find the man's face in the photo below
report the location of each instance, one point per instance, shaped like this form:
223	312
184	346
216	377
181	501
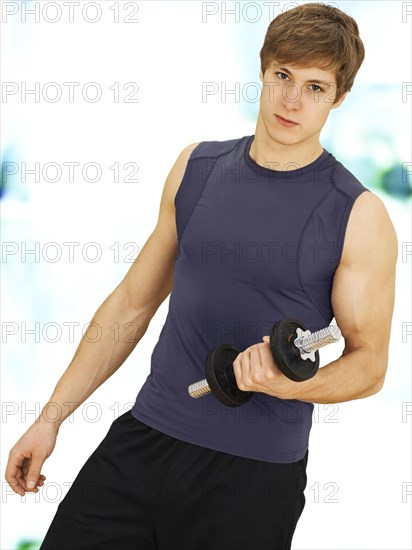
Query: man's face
304	96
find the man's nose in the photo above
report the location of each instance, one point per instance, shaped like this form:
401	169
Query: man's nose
292	96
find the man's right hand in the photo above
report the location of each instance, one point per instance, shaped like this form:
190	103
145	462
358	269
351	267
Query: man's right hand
27	456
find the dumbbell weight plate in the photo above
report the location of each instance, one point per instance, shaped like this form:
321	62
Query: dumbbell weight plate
287	355
221	377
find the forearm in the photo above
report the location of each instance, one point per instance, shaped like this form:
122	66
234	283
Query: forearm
113	333
351	376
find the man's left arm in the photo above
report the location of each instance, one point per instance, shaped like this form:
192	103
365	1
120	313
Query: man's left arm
362	297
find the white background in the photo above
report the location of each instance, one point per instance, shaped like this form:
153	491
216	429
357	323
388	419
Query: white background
362	448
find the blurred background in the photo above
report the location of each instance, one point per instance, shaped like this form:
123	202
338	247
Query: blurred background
98	100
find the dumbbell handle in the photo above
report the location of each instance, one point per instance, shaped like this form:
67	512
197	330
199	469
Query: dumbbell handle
307	342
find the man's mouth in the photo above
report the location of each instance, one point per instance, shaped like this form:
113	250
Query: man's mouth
285	121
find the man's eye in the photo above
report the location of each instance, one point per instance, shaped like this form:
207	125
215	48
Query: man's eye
281	75
319	89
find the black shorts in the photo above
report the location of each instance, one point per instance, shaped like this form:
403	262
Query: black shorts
144	490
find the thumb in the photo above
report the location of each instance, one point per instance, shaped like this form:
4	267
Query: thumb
266	339
34	472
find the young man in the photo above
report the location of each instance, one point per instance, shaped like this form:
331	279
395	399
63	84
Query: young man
250	231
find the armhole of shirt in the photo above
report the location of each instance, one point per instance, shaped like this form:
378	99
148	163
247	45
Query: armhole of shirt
192	156
344	223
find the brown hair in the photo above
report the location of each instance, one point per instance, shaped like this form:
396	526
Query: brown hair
319	35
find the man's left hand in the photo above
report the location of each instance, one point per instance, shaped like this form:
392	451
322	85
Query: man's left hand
256	370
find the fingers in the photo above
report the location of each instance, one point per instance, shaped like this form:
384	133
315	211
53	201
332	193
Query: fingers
13	473
26	459
25	470
241	367
21	470
254	368
18	482
33	477
15	485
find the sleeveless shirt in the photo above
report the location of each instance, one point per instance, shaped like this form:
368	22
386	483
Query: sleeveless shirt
255	245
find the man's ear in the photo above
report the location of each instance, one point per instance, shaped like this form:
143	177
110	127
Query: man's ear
340	101
261	75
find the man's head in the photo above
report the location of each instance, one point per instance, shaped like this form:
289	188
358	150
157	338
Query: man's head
316	35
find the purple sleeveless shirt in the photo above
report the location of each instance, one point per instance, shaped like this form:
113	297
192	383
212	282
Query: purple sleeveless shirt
256	245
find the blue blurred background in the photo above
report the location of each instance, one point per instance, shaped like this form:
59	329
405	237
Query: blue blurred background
150	60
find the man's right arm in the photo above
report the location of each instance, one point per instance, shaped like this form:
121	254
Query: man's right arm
131	305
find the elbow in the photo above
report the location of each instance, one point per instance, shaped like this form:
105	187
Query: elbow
372	389
139	311
381	367
140	315
378	386
378	366
381	362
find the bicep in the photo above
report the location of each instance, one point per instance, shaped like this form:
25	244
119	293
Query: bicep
364	283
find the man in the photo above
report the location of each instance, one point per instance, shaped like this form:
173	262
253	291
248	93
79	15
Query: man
250	231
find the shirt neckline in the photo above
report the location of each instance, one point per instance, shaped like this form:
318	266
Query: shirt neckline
283	174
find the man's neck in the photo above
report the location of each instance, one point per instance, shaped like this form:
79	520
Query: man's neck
276	156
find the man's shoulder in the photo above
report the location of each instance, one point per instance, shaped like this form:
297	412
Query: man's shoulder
367	218
216	148
370	229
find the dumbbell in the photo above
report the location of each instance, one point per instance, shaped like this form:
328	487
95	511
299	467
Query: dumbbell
294	349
